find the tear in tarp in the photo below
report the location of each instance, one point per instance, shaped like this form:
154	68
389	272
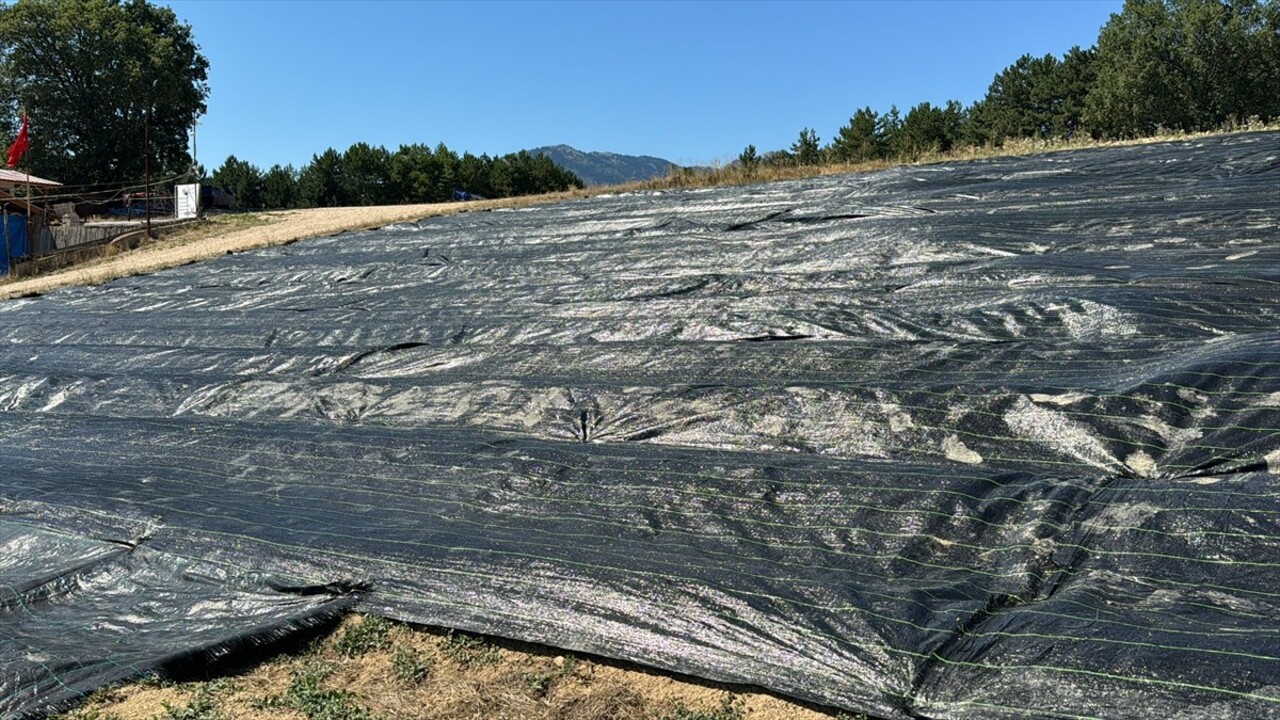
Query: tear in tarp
992	439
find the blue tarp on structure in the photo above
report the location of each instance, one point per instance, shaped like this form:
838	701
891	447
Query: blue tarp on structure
15	238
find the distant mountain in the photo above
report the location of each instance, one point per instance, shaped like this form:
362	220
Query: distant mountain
605	168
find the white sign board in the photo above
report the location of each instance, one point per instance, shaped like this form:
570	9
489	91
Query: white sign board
188	200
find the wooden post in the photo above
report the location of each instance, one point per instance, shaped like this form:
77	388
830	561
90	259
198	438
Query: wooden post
30	245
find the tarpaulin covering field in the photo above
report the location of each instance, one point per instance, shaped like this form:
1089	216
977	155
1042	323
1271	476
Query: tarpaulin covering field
993	439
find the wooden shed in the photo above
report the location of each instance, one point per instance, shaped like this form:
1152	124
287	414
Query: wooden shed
25	227
11	180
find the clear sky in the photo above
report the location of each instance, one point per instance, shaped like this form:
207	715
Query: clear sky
690	82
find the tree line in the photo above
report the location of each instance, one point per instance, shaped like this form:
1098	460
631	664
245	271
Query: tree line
1158	65
369	175
97	76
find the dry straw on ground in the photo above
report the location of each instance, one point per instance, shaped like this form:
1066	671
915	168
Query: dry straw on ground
370	668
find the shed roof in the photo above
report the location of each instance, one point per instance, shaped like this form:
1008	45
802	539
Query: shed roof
17	178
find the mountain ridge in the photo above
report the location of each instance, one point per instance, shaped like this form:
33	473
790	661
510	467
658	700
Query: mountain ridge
605	168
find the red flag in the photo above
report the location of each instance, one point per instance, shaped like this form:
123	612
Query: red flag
20	145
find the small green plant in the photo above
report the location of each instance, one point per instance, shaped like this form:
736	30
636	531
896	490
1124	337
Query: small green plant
730	709
539	683
371	633
469	650
412	666
307	695
201	707
153	680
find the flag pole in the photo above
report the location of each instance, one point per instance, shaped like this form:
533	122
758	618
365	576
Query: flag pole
16	151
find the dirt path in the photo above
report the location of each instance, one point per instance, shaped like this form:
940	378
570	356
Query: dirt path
246	232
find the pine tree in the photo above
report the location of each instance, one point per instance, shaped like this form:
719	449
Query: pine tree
473	175
860	140
749	160
368	174
807	149
322	183
889	130
280	187
1075	76
929	129
241	179
1024	99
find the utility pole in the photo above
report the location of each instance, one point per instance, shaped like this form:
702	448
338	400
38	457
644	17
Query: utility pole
195	168
146	165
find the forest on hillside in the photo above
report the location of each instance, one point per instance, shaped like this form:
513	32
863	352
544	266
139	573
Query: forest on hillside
1158	66
369	175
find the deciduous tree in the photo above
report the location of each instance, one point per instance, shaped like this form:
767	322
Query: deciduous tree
1185	64
89	74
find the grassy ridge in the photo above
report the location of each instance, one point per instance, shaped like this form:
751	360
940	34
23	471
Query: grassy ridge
735	174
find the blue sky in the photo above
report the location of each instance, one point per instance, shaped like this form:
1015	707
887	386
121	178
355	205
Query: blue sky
690	82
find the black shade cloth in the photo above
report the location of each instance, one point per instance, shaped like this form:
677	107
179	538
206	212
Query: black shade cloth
988	439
